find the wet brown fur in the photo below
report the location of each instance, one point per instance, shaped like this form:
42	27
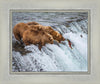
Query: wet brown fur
55	34
31	36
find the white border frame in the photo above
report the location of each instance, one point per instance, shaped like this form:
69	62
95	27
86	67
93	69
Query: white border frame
93	78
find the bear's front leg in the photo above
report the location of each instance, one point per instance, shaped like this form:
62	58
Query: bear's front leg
26	42
40	45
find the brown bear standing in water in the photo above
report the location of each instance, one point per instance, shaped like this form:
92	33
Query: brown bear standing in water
55	34
40	37
19	29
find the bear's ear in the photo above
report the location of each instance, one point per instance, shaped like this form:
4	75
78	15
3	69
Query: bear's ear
57	33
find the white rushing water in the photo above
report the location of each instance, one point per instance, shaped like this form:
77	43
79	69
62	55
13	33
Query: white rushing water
57	56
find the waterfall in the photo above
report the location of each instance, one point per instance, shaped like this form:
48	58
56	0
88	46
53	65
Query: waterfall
57	56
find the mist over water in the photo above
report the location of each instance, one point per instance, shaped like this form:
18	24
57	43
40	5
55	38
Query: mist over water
57	56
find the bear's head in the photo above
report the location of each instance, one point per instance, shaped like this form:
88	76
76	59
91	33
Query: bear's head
60	38
57	36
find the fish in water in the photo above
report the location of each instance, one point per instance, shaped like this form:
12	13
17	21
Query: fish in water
69	43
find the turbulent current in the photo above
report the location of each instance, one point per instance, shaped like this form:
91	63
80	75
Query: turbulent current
57	56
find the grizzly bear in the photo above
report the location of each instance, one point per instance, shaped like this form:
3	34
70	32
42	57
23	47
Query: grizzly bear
55	34
40	37
19	29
